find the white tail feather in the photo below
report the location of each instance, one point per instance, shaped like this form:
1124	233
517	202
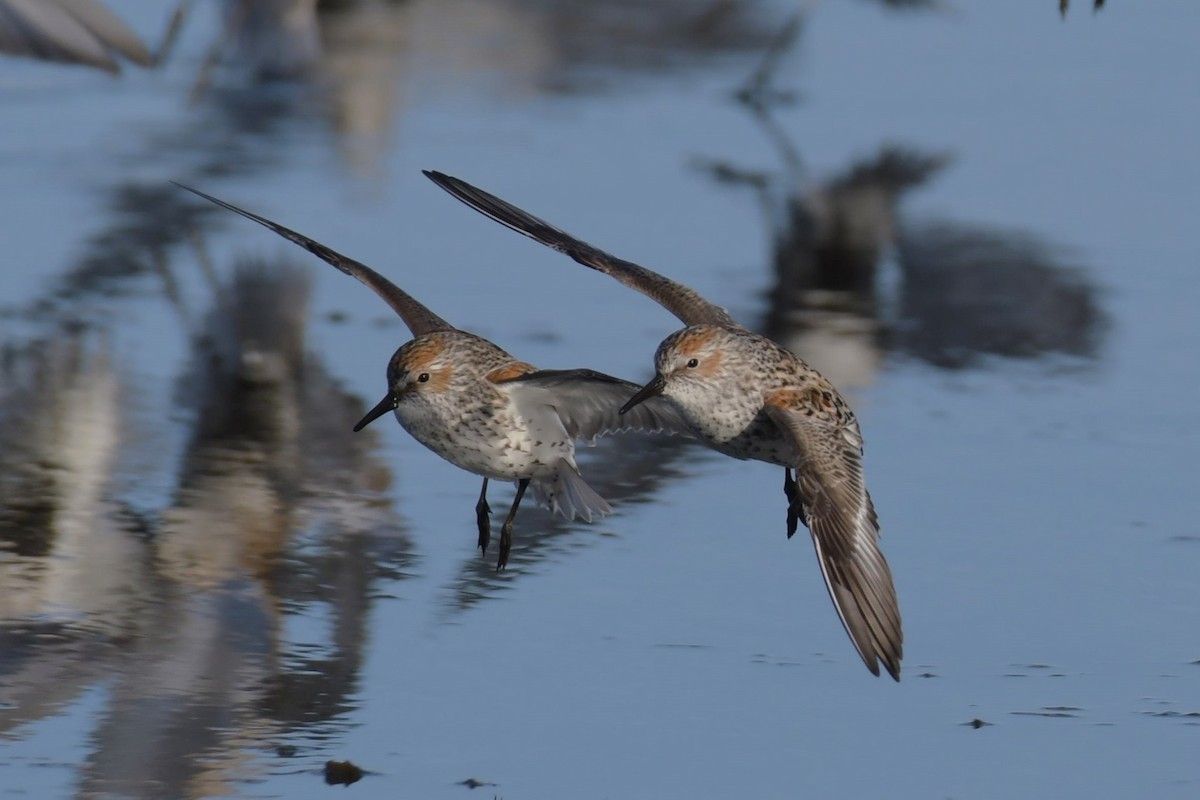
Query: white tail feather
569	495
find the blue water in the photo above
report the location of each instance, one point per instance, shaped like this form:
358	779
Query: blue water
211	587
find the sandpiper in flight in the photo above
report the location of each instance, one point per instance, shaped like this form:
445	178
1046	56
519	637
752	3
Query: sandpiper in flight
484	411
750	398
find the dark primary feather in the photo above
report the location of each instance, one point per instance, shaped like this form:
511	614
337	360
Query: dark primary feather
839	512
419	319
684	303
589	402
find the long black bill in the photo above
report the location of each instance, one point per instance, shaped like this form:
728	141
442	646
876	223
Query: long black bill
387	404
651	389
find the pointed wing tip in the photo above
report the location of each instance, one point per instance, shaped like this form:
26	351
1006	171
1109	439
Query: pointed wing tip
440	178
889	661
876	647
208	197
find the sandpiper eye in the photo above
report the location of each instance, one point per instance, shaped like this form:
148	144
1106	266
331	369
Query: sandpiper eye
693	363
423	377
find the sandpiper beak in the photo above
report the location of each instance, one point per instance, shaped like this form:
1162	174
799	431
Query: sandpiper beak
388	403
651	389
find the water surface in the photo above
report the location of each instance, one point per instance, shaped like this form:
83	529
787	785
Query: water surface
976	219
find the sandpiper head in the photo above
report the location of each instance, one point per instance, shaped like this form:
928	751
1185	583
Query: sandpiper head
688	362
419	370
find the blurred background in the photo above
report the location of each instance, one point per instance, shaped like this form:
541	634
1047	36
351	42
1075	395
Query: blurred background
975	218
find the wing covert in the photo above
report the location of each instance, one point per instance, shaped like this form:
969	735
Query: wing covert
589	402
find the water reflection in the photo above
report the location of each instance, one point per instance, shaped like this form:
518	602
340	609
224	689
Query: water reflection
183	620
974	291
855	280
268	39
65	552
370	52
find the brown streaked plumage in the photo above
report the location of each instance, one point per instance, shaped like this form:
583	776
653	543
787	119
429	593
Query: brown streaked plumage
750	398
483	411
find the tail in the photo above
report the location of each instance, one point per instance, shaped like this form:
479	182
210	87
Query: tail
568	494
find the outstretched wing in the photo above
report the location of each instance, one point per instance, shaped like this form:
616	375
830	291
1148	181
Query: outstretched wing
419	319
589	403
681	301
845	531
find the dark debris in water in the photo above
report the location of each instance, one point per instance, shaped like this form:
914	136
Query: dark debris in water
473	783
1050	711
977	723
1034	666
683	646
1065	5
342	772
776	661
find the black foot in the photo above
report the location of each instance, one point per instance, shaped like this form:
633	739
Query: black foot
505	547
795	512
506	528
483	519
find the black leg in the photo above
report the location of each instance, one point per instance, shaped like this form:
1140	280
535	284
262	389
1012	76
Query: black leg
506	528
792	490
482	510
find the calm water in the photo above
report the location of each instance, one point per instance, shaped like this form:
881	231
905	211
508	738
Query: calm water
978	220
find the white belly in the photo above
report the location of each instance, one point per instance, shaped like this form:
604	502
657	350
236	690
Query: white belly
503	446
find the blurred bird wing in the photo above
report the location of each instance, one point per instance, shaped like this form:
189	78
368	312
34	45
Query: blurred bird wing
683	302
419	319
589	402
845	531
79	31
109	29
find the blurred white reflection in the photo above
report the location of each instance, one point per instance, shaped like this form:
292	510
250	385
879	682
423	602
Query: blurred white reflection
65	557
183	613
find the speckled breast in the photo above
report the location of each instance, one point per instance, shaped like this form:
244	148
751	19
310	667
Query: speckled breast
761	440
498	445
